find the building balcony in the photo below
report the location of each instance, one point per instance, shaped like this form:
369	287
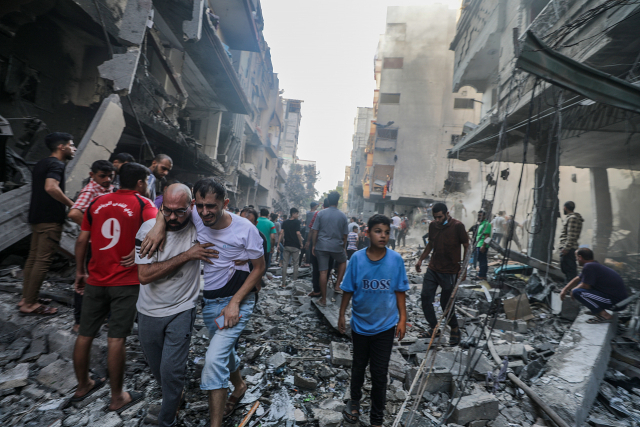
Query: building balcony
477	44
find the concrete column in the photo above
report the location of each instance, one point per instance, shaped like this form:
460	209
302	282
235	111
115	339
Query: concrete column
546	202
212	134
602	213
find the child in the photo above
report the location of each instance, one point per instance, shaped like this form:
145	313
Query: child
377	280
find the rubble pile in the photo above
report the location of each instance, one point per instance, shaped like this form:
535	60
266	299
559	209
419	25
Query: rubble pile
297	365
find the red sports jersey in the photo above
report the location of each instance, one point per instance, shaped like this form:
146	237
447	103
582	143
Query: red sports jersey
113	220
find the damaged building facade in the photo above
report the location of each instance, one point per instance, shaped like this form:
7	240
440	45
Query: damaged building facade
192	79
546	70
415	118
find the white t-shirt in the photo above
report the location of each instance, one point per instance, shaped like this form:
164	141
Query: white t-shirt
498	224
396	222
240	240
178	291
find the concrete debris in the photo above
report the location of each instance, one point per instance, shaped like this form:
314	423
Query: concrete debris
298	365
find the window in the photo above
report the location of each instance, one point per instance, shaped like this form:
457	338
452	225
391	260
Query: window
463	103
389	98
396	31
387	133
455	139
391	63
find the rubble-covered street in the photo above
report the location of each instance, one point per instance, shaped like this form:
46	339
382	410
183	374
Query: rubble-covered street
297	365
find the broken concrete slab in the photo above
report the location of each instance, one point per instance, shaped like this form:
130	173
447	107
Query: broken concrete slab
519	326
482	406
278	359
306	383
340	354
15	377
575	371
570	309
59	376
511	350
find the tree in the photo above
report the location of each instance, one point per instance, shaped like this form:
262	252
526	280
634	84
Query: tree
300	189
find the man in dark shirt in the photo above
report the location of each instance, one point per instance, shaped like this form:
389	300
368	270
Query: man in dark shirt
47	213
446	235
292	238
597	288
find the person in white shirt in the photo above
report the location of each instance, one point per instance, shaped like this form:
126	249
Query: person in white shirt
498	225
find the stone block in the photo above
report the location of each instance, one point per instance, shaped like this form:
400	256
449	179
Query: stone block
278	359
574	373
15	377
306	383
398	366
47	359
111	419
511	350
570	309
29	357
52	405
340	354
62	342
59	376
33	392
15	350
477	423
332	405
39	345
519	326
483	406
327	418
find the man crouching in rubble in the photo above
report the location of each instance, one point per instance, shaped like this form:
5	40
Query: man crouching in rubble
597	288
167	300
377	281
229	290
446	236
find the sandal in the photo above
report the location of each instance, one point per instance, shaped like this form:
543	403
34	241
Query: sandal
347	412
314	294
41	311
338	291
136	397
231	405
45	301
429	334
97	385
598	319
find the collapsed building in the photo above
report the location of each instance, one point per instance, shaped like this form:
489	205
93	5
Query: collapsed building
191	79
559	84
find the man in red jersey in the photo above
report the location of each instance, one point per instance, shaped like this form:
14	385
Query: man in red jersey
110	225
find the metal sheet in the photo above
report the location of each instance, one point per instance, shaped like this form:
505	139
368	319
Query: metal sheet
540	60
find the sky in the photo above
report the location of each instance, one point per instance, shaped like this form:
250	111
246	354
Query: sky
323	54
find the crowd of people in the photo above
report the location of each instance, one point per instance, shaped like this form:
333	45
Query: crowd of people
140	252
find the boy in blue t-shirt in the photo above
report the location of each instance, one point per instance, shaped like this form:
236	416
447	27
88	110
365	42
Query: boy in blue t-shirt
376	280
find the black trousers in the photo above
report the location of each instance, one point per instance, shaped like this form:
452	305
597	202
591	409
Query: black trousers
430	285
375	351
568	265
315	274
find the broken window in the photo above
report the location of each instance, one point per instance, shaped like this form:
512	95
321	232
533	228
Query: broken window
389	98
463	103
457	182
455	139
391	63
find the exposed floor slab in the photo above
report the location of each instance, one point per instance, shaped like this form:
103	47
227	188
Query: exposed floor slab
576	370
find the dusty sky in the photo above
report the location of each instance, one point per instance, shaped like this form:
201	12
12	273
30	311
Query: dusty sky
323	53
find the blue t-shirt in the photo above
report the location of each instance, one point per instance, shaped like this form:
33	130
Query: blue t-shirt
605	280
374	306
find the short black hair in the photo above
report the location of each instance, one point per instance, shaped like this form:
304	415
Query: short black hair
264	212
131	173
586	254
439	207
325	203
571	206
124	158
293	211
160	157
102	166
378	219
333	198
210	185
250	211
273	217
56	138
354	218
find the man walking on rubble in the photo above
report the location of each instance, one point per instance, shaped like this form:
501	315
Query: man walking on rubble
330	232
46	216
166	305
446	235
292	241
569	237
498	226
598	287
101	176
110	225
229	290
160	168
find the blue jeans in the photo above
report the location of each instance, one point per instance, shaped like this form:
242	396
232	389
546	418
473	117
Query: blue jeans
482	260
221	358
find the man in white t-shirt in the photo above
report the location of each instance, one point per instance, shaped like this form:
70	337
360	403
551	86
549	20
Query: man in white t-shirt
229	290
167	300
498	225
